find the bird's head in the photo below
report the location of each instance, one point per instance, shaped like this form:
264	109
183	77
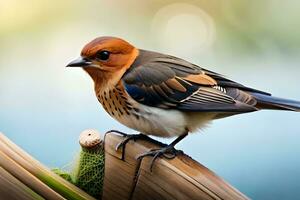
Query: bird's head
106	58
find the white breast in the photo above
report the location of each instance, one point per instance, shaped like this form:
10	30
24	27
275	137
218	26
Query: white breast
166	122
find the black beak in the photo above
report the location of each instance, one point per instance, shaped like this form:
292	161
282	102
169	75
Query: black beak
79	62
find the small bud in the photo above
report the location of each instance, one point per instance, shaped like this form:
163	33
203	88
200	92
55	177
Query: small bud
89	138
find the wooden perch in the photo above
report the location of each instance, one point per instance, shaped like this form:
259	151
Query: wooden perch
22	177
178	178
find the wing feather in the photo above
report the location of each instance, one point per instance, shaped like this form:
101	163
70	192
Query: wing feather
174	84
167	82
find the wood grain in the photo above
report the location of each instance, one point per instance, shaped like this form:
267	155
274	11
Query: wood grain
179	178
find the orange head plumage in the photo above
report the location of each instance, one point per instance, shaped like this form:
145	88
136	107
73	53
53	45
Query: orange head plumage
106	59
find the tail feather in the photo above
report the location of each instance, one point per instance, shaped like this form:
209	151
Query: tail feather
270	102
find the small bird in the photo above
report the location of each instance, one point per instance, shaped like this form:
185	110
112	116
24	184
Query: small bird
162	95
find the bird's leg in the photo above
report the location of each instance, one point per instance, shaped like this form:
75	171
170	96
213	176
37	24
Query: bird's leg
168	151
129	137
118	132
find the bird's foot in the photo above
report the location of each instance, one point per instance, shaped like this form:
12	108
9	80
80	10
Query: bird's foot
123	143
168	152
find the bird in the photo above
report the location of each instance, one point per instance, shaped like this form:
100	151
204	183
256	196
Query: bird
163	95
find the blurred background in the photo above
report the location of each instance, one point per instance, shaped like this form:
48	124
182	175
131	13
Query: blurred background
44	106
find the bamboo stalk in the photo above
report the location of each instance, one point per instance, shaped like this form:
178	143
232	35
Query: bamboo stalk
27	178
13	189
36	169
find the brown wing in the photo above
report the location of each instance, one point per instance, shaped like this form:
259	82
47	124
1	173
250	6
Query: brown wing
168	82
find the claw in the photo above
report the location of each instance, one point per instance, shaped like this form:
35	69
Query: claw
126	140
123	146
153	160
168	152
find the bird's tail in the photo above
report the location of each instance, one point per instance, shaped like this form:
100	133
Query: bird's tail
269	102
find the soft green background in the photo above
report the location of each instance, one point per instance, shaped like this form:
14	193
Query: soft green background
44	106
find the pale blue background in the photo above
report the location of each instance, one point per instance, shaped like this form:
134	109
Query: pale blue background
44	106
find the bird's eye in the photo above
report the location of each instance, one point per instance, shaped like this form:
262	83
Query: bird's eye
103	55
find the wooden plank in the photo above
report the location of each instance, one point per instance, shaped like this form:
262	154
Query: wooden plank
178	178
119	175
13	189
166	182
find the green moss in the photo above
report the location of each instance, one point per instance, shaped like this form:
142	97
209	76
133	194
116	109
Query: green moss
89	171
65	175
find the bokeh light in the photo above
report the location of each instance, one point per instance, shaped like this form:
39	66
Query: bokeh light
183	28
